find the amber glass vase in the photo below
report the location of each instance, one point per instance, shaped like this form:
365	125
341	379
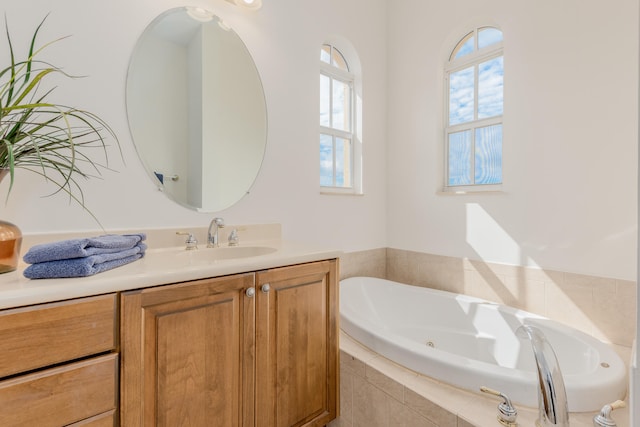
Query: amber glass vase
10	241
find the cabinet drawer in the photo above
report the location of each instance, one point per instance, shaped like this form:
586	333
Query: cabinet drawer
47	334
60	396
107	419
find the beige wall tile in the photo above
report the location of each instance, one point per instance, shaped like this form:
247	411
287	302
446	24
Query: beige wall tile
352	365
429	410
423	269
402	266
614	312
571	301
491	269
444	273
372	263
527	294
370	406
402	416
346	398
486	286
543	275
385	383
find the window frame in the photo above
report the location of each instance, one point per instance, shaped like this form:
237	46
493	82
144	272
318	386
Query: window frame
349	79
452	65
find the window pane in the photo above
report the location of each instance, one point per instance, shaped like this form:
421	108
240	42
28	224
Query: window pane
488	156
338	61
460	158
341	106
490	88
326	160
488	36
461	96
343	162
463	48
325	101
325	54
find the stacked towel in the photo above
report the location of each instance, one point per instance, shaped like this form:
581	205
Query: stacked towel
83	257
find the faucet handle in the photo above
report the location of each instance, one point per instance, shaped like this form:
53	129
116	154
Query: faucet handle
603	419
507	413
234	239
191	242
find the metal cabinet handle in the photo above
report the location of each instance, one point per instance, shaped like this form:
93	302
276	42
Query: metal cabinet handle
251	292
266	288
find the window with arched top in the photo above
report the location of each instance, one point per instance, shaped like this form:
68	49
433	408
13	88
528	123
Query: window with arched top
474	75
339	143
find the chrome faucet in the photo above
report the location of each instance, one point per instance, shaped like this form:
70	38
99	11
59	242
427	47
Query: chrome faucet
212	235
552	397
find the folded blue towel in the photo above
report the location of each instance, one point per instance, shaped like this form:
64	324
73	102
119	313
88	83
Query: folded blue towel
79	248
85	266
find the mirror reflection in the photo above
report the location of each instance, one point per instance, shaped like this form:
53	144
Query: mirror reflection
196	109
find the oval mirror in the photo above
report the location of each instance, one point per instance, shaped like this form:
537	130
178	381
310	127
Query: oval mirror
196	109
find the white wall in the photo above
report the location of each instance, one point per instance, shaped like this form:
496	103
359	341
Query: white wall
570	135
569	97
284	38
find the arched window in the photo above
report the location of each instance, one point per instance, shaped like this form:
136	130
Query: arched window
339	143
474	77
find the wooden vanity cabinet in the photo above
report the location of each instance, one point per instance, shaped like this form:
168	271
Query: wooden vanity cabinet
297	345
248	350
58	364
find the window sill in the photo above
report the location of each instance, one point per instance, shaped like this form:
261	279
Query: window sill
471	189
329	192
468	192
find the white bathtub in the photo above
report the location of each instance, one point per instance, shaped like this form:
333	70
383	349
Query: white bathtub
468	342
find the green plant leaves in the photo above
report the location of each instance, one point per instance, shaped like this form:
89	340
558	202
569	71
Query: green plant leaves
55	141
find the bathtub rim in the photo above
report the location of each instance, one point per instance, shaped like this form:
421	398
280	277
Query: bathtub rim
580	387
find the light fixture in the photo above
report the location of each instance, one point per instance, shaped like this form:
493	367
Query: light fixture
247	4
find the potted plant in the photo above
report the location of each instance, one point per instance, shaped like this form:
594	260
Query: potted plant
47	138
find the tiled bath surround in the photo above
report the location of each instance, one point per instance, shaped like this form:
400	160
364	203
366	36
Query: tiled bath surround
377	392
602	307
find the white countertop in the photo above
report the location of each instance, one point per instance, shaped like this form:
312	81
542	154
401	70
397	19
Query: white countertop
158	267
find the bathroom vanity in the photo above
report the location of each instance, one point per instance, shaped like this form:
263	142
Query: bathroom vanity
252	349
177	338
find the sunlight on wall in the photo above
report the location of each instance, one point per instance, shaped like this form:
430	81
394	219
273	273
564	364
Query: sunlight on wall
490	241
554	294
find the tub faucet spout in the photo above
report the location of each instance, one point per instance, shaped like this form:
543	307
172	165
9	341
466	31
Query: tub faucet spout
552	397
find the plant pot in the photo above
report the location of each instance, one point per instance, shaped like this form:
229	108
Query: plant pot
10	241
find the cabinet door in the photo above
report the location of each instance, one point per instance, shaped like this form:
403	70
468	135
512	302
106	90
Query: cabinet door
188	354
297	345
